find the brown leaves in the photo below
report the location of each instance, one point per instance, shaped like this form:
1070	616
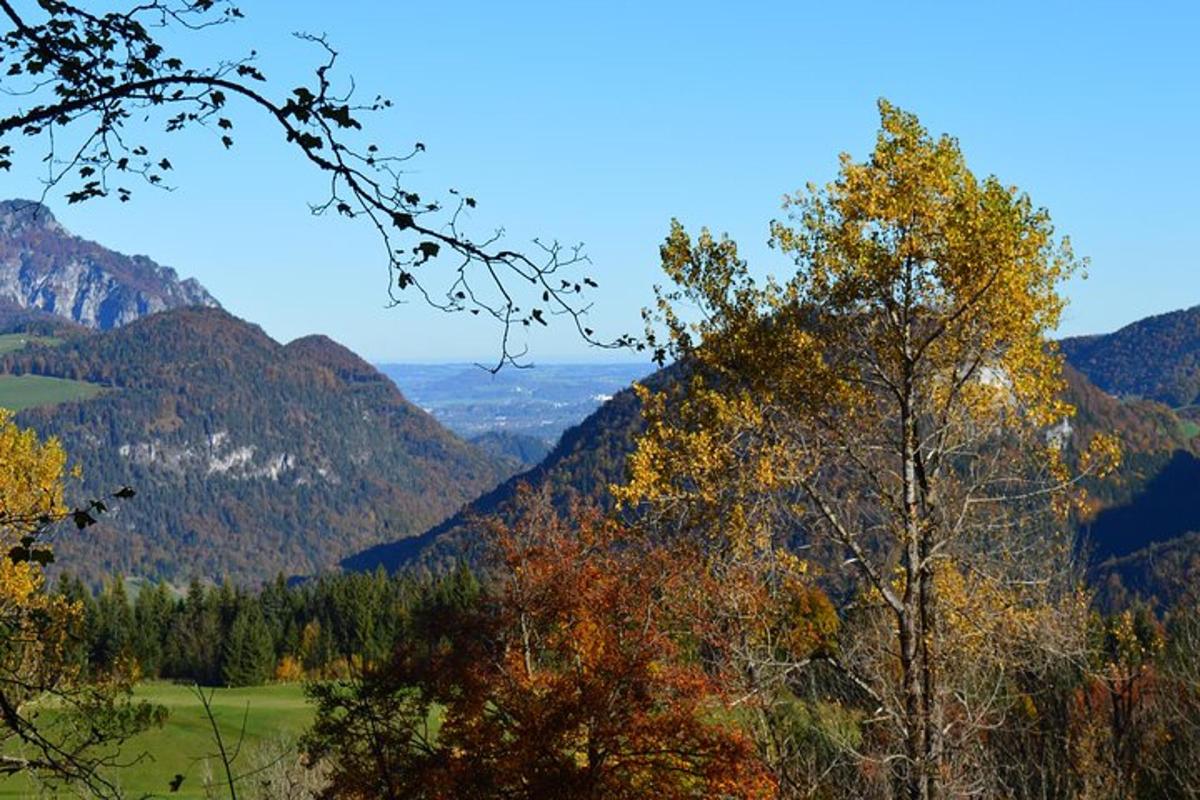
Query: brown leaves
569	681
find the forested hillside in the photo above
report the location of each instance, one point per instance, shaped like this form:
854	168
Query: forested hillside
588	457
1157	358
1148	502
249	457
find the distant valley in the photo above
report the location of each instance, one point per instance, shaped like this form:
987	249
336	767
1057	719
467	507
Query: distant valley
539	402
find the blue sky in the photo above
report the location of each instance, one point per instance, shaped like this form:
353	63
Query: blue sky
598	122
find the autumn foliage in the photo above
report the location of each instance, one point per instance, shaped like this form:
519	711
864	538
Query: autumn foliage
79	743
569	679
34	625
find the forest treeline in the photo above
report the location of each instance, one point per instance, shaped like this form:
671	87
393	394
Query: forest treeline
222	635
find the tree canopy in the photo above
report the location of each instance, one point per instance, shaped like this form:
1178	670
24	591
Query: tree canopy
896	398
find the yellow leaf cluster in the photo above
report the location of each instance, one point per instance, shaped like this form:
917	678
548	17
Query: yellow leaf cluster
34	624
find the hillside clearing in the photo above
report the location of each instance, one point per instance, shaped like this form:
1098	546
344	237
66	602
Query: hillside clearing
18	392
10	342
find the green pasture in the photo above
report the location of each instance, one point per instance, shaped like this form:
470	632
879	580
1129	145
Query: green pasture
19	392
185	746
15	341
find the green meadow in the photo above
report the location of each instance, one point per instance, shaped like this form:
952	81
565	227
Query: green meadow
15	341
184	745
19	392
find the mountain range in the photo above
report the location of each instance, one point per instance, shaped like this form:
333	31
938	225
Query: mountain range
1157	358
253	457
249	457
1142	539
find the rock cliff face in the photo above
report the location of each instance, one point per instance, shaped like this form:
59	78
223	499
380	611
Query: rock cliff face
43	267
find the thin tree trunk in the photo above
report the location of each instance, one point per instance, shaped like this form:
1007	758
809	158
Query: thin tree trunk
932	711
911	630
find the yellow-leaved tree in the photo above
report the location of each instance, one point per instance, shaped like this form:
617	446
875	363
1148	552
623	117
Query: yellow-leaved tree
896	401
53	727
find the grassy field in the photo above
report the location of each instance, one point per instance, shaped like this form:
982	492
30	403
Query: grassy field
15	341
184	744
25	391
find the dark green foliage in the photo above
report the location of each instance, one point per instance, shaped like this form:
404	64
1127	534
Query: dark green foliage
226	635
152	612
112	628
249	457
248	656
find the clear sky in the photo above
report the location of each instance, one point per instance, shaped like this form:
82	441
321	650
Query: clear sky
598	122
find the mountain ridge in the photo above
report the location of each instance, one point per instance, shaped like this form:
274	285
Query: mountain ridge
1157	357
250	457
45	269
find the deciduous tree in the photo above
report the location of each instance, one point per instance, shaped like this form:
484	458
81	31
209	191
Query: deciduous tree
896	399
568	681
37	666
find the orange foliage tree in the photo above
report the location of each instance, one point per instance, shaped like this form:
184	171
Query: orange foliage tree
567	679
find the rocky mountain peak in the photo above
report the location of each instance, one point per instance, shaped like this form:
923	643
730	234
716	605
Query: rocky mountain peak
19	216
47	270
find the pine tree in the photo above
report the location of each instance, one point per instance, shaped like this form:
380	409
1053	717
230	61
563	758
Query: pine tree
152	612
248	656
112	637
192	651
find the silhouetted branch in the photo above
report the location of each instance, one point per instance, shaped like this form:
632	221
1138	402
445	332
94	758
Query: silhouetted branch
108	76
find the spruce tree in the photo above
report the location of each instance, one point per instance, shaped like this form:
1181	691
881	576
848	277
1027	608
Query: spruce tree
248	653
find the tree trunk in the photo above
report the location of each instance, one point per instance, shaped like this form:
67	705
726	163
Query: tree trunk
913	776
911	630
932	711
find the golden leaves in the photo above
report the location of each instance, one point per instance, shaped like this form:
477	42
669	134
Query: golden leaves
31	491
897	395
31	474
917	287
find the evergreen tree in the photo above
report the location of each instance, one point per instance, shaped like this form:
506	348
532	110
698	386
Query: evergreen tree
152	613
248	655
193	651
113	632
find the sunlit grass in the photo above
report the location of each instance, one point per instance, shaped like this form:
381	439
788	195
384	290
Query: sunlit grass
185	746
